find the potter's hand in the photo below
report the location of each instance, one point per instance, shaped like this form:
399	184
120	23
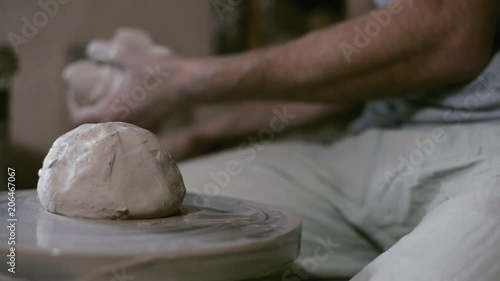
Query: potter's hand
138	84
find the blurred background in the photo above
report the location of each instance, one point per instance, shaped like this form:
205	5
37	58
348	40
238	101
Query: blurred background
38	113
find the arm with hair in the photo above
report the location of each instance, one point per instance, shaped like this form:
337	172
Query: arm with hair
354	8
406	46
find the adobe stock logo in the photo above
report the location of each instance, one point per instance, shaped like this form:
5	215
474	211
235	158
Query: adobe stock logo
40	19
363	37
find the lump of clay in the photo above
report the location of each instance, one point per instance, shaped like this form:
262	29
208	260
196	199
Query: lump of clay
110	171
91	80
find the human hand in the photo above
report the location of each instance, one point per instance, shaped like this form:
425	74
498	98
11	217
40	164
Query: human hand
139	84
188	142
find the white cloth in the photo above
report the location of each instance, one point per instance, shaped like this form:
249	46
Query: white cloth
427	197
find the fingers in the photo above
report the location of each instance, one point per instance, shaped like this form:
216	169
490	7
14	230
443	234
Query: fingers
159	50
90	81
94	113
114	53
76	75
182	144
79	114
90	88
124	54
133	36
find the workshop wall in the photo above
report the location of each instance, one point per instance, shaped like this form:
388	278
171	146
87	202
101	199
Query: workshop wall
39	113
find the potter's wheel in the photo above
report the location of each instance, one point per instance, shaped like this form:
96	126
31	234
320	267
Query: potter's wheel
210	239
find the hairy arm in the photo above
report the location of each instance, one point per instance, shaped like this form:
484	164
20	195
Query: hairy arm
409	45
425	44
353	8
237	122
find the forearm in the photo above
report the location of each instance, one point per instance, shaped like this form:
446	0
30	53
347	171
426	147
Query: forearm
417	50
354	8
239	122
246	119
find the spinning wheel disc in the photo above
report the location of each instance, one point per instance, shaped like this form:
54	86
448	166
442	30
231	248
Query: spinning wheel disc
209	239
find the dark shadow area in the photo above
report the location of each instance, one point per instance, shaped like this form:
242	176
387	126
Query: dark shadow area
26	162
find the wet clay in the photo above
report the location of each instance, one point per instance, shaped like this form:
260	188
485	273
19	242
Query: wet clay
110	171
